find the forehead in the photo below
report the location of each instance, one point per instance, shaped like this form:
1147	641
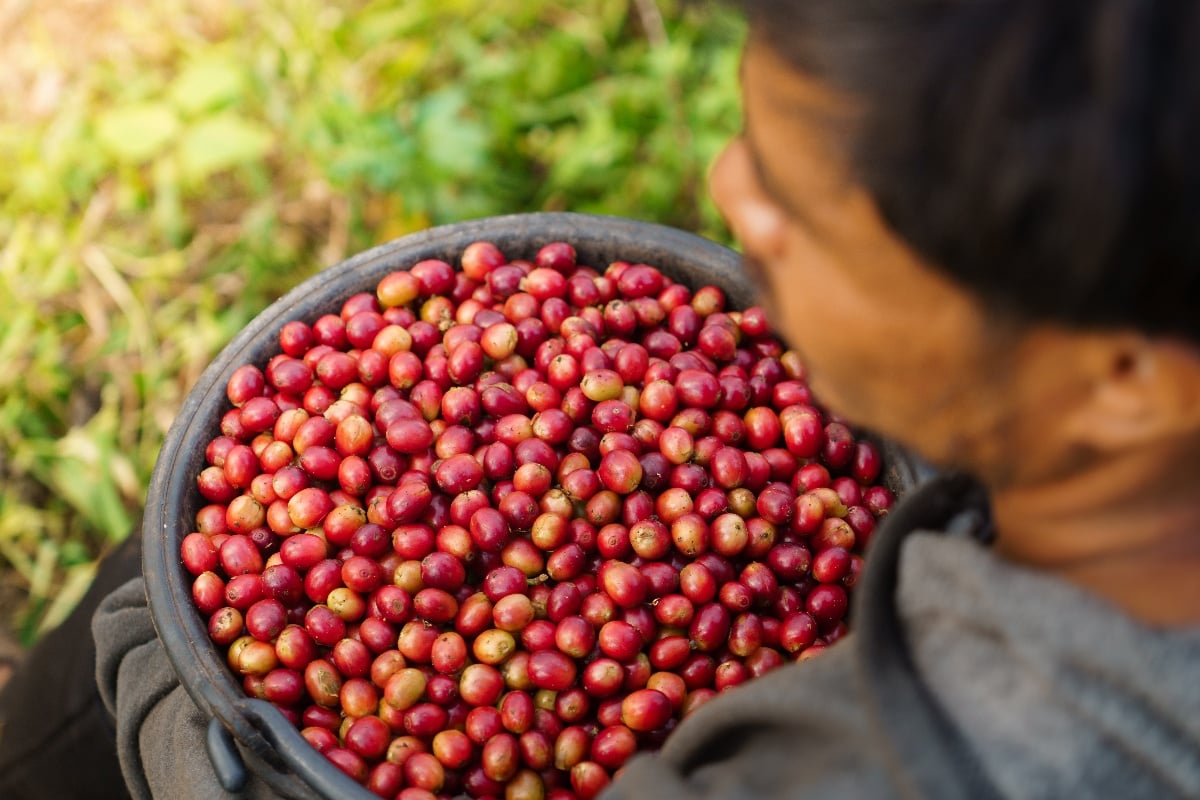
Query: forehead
792	94
798	132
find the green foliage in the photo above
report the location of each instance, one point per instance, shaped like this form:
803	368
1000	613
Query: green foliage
171	167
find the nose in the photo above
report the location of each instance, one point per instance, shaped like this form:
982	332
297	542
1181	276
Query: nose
722	179
757	222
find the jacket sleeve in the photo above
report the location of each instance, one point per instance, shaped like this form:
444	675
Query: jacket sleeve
160	731
796	733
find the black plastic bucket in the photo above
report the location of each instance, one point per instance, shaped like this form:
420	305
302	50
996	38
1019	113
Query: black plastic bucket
251	736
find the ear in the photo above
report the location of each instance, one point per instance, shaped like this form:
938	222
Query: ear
1143	391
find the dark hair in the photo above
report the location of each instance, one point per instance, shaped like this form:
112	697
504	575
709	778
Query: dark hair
1045	153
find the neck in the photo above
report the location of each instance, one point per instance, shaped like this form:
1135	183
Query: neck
1126	529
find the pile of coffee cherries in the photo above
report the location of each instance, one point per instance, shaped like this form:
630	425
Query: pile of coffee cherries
493	530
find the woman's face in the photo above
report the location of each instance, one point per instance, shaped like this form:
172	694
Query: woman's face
889	343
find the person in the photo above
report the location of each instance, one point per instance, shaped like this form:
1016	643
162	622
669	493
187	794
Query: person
977	222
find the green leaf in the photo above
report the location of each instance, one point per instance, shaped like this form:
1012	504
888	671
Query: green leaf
451	142
135	133
168	215
92	496
67	596
221	142
206	83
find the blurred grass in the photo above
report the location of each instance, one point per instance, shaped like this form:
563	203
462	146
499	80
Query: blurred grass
171	166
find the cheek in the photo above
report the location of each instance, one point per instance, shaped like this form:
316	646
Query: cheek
893	356
833	327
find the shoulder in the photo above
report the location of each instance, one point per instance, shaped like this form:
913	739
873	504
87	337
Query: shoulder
800	731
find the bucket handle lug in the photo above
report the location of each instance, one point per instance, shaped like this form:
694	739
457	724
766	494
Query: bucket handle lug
226	760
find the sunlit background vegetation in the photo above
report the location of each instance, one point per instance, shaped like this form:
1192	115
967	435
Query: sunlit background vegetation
168	167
